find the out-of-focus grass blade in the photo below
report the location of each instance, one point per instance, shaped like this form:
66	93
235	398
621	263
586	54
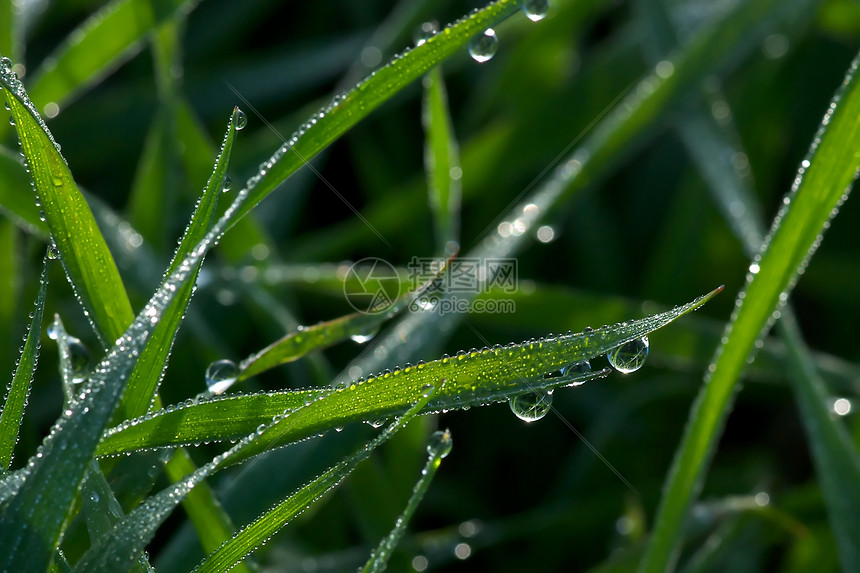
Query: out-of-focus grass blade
820	187
472	378
357	325
98	46
19	389
16	196
86	258
143	384
441	160
348	109
438	448
257	532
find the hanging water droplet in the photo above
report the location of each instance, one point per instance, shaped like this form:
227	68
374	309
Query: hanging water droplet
424	32
42	216
531	406
79	357
364	337
630	356
483	46
53	252
53	331
577	368
228	184
220	375
241	119
440	443
536	10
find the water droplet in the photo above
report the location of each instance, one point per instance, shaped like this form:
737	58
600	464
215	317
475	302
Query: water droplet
440	443
53	331
228	184
241	119
220	375
364	337
536	10
629	357
483	47
577	368
53	252
80	359
531	406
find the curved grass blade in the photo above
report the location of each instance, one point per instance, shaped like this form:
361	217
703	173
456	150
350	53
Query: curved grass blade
349	108
19	389
441	160
86	258
472	378
821	185
438	448
99	45
357	325
143	384
835	456
257	532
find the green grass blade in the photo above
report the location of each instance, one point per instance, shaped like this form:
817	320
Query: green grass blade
439	447
19	389
357	325
349	108
441	160
820	187
257	532
143	384
86	258
98	46
472	378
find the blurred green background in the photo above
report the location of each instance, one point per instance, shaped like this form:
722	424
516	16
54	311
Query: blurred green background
647	236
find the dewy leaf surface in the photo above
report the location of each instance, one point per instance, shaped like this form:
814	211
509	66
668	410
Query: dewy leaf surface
86	258
472	378
820	187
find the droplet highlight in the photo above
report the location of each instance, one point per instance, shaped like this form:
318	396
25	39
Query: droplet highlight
79	359
536	10
220	375
440	443
483	47
629	357
531	406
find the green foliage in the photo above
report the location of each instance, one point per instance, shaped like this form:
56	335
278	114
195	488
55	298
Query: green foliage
560	136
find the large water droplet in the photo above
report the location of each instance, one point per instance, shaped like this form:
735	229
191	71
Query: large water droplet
483	46
241	119
53	252
440	443
577	368
220	375
53	331
536	9
363	337
531	406
629	357
80	359
228	184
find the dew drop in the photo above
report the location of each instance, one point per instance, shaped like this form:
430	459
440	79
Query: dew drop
424	32
440	443
79	356
531	406
483	47
220	375
536	10
577	368
364	337
53	331
241	120
629	357
228	184
53	252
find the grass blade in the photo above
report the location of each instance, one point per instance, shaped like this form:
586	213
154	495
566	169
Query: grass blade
19	389
439	447
820	187
86	258
98	46
256	533
441	160
472	378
